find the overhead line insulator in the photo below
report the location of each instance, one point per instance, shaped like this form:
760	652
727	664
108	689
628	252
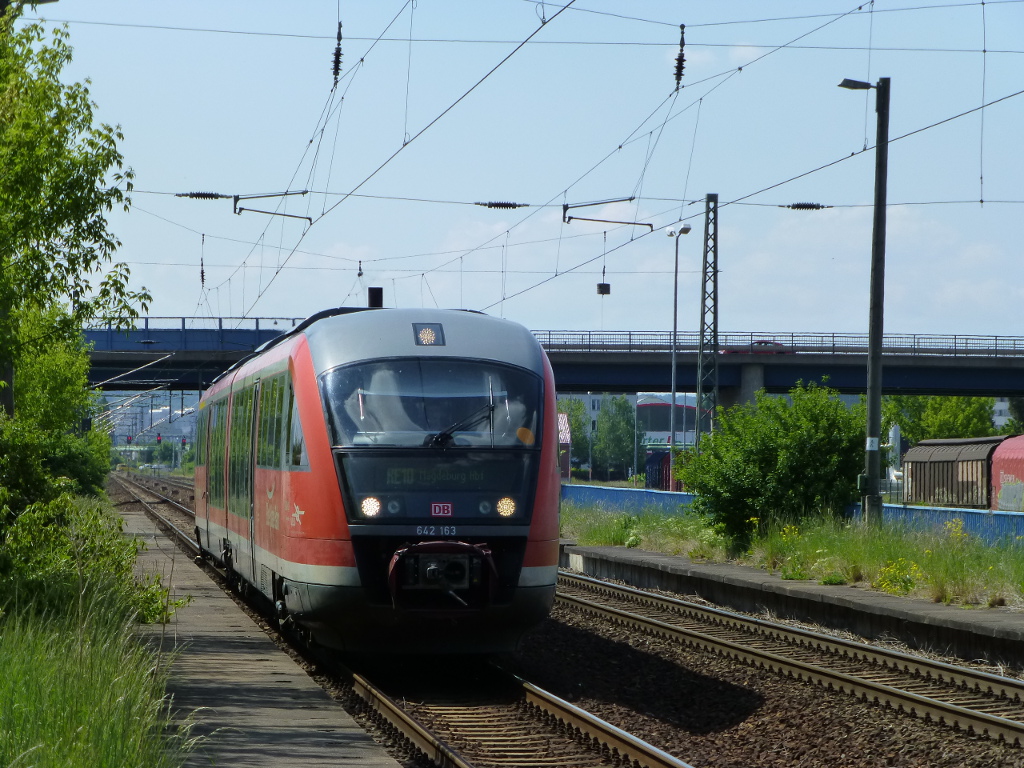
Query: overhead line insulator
202	195
499	204
680	57
336	67
806	206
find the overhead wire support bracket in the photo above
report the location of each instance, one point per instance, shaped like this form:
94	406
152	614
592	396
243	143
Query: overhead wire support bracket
274	213
235	198
566	207
237	210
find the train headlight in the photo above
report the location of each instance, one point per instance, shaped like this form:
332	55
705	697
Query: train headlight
394	507
485	507
506	507
370	506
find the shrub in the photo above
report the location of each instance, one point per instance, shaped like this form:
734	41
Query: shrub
56	551
37	466
777	461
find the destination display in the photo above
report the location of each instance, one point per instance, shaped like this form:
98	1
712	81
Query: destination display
503	473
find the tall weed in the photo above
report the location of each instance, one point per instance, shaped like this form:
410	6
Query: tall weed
77	689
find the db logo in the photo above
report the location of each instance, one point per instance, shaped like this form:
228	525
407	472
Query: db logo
441	509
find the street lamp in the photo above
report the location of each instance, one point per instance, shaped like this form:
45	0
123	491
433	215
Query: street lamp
870	482
683	229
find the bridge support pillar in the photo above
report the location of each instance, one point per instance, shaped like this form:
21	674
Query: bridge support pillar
751	380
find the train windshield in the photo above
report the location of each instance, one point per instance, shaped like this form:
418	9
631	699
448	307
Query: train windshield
434	403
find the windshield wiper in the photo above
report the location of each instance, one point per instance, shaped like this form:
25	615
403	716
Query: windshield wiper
446	437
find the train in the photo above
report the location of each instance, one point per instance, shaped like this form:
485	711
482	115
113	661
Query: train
970	473
388	479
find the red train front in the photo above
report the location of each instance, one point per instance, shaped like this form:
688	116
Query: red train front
389	479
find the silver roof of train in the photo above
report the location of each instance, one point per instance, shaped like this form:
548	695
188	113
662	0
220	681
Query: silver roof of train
390	333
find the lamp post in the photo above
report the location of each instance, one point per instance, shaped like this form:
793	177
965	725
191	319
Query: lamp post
674	232
870	482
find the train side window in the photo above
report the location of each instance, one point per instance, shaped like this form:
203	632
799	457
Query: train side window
270	448
218	433
240	456
296	442
200	447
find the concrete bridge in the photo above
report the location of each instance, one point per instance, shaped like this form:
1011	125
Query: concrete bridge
187	354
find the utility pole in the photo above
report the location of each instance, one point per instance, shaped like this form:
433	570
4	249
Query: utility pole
707	358
870	482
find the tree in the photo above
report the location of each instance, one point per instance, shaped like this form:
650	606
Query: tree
932	417
615	443
777	460
576	410
1016	407
1015	424
59	175
52	385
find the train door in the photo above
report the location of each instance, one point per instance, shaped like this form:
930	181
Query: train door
240	481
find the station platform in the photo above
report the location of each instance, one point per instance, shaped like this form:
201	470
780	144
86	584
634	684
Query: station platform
994	635
251	703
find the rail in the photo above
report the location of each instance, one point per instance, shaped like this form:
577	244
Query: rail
982	703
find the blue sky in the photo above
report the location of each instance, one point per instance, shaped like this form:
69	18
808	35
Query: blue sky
236	98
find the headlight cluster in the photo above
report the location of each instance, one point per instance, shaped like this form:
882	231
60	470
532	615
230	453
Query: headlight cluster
372	507
505	507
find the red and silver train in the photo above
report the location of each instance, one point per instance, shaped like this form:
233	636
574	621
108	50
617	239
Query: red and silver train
388	478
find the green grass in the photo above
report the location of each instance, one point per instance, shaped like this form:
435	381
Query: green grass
648	528
944	564
77	688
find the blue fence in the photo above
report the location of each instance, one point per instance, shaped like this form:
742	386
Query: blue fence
625	499
988	525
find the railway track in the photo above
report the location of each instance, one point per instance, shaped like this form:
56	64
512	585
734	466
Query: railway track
974	701
502	721
176	516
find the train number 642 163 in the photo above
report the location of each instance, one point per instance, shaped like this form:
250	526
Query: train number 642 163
435	530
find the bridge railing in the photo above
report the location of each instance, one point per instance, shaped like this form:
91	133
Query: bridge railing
202	323
952	345
196	333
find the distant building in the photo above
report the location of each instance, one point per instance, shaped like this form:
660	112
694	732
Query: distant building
564	444
1001	413
653	414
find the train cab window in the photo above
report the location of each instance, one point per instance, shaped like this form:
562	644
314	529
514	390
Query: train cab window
432	403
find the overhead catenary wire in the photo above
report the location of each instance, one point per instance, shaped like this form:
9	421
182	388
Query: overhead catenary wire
981	128
658	22
648	138
779	184
723	77
422	131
